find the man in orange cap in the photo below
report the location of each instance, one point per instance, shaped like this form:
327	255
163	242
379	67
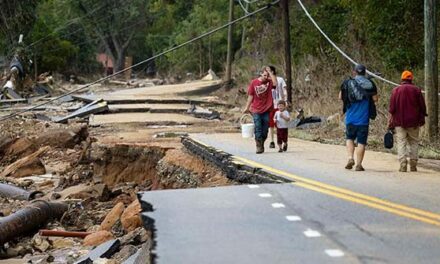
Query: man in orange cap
407	114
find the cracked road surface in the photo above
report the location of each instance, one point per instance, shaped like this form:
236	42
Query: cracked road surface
327	215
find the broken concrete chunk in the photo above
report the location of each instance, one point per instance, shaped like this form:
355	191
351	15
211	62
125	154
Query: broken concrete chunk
136	237
94	107
63	138
125	253
98	238
130	218
105	250
112	217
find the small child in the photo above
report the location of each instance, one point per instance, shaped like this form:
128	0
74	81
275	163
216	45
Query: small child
281	118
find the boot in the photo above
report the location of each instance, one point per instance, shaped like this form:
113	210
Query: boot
259	144
403	166
413	165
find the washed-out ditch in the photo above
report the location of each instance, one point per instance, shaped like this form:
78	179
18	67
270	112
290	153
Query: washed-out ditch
96	186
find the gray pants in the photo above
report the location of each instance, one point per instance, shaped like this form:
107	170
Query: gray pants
407	143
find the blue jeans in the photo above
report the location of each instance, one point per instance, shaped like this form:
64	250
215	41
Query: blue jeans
261	122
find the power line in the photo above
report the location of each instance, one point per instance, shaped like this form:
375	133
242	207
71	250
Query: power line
70	22
337	48
144	61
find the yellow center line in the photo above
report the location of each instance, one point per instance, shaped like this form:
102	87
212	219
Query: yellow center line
335	189
398	209
369	204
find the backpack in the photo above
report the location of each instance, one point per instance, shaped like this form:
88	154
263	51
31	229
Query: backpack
355	92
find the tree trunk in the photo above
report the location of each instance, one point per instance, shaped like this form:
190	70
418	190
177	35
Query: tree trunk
431	68
228	74
286	39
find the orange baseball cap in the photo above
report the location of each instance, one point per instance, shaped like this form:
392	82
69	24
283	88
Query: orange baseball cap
407	75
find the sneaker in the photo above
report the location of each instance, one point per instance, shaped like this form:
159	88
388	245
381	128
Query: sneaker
350	164
285	147
280	150
272	145
359	168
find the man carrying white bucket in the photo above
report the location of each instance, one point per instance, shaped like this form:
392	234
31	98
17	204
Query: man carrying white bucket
260	103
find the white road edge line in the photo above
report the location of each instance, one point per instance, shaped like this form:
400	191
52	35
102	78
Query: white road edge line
293	218
265	195
311	233
334	253
253	186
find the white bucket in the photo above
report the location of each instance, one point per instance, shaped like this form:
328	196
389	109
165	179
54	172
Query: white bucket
247	129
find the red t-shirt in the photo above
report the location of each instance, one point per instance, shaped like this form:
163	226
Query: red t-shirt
262	96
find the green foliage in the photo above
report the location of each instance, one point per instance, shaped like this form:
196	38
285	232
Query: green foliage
16	17
390	31
66	35
206	53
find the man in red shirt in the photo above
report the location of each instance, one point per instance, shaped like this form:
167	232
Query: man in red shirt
260	103
407	115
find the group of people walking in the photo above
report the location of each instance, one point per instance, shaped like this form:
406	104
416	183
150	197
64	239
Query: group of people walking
267	103
407	112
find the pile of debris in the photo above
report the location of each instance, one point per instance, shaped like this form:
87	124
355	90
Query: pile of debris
46	182
66	198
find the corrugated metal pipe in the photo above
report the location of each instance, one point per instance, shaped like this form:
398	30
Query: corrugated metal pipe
32	217
16	193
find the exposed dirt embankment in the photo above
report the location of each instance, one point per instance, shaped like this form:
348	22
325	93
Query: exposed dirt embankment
124	163
153	167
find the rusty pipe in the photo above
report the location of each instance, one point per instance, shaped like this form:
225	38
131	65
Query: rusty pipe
62	233
29	218
16	193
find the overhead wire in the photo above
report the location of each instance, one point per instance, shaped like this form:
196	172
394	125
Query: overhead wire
144	61
337	48
245	9
68	23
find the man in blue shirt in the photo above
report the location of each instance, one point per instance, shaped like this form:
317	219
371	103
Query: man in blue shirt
357	117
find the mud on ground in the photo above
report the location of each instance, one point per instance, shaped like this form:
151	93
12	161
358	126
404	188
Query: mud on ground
97	172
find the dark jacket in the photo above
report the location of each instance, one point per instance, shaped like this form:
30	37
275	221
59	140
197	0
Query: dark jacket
407	106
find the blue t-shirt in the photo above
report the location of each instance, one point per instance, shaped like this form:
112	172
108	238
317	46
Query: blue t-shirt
358	113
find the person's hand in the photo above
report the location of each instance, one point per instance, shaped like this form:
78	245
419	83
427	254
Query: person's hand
268	69
246	111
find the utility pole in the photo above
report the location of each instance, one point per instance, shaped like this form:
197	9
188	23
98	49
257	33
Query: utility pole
228	78
284	4
431	67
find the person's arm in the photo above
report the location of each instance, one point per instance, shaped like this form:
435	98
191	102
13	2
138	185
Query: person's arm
272	77
285	117
422	104
374	96
248	104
